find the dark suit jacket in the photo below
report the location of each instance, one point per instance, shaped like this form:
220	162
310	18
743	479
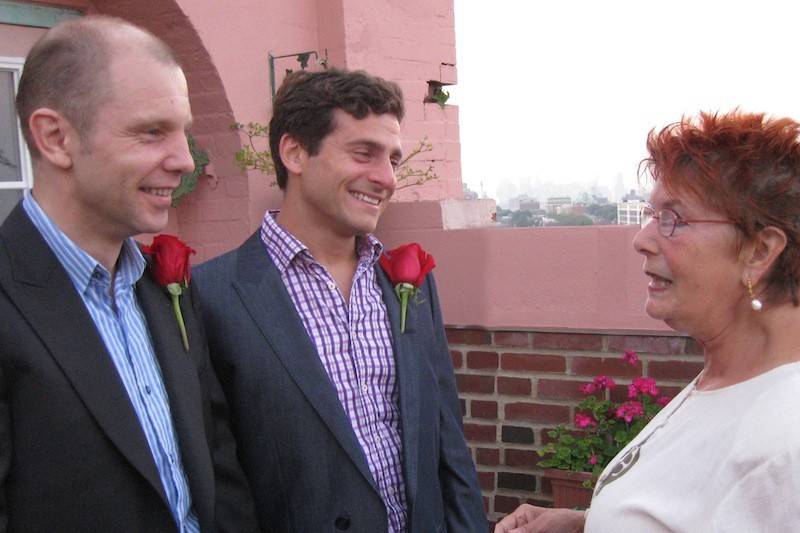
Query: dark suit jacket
297	446
73	457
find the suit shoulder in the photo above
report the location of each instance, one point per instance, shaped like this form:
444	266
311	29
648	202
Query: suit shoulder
218	267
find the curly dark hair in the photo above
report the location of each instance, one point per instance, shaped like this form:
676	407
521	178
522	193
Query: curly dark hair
305	103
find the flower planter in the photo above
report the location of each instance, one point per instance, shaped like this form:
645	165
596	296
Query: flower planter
568	489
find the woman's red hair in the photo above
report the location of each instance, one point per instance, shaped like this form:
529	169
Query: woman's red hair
744	165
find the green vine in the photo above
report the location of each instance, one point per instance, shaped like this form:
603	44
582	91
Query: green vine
250	157
189	180
440	96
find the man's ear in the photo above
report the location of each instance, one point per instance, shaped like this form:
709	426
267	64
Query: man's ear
762	252
54	136
292	153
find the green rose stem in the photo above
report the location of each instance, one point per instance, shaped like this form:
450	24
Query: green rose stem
403	290
175	291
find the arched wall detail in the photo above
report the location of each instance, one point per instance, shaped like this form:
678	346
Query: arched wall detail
216	213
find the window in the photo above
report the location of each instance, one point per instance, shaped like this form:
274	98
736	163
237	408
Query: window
15	165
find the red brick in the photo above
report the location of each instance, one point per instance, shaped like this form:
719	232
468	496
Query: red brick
620	393
693	347
480	409
594	366
482	360
475	383
670	390
486	480
568	341
646	344
517	434
516	481
559	389
529	362
541	502
468	336
521	458
505	504
516	339
457	357
487	456
674	370
480	433
514	386
537	412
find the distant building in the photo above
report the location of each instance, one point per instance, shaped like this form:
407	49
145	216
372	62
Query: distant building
559	204
629	212
469	194
633	196
531	205
515	202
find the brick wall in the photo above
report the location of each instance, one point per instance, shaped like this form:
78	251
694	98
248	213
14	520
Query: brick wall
515	385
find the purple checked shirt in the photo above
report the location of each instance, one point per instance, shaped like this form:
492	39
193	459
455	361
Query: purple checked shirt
354	343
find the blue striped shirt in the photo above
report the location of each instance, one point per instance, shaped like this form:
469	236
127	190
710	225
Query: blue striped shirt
123	328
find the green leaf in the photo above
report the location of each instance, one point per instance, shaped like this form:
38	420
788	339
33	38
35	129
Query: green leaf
189	180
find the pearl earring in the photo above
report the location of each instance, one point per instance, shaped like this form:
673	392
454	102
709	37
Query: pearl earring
755	303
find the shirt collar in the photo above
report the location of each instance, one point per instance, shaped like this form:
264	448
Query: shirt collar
79	265
284	248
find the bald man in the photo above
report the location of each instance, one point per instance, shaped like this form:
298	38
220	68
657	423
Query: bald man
107	423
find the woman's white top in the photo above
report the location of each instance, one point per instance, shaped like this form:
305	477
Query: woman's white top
720	460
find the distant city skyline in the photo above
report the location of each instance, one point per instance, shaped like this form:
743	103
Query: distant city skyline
561	95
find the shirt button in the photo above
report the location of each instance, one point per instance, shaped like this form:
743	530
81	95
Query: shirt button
331	285
147	389
171	459
364	389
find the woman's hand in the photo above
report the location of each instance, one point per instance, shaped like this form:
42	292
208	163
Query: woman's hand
531	519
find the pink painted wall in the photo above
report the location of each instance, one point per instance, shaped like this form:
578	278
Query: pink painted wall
581	278
238	35
16	41
573	278
389	38
412	42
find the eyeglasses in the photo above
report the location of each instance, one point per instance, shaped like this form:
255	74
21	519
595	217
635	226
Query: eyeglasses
668	220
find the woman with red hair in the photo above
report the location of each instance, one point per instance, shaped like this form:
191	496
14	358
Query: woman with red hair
720	241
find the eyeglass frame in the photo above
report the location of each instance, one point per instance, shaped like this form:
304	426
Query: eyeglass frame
678	218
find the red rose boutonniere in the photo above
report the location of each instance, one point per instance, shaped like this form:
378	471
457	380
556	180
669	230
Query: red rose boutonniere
406	266
170	267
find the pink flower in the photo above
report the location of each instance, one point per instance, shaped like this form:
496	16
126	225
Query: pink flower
629	410
663	400
642	386
583	421
588	388
593	459
630	357
604	382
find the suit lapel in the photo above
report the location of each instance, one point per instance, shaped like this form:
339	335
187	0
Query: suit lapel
46	297
261	289
179	372
406	354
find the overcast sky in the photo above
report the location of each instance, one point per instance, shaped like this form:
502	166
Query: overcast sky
566	91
